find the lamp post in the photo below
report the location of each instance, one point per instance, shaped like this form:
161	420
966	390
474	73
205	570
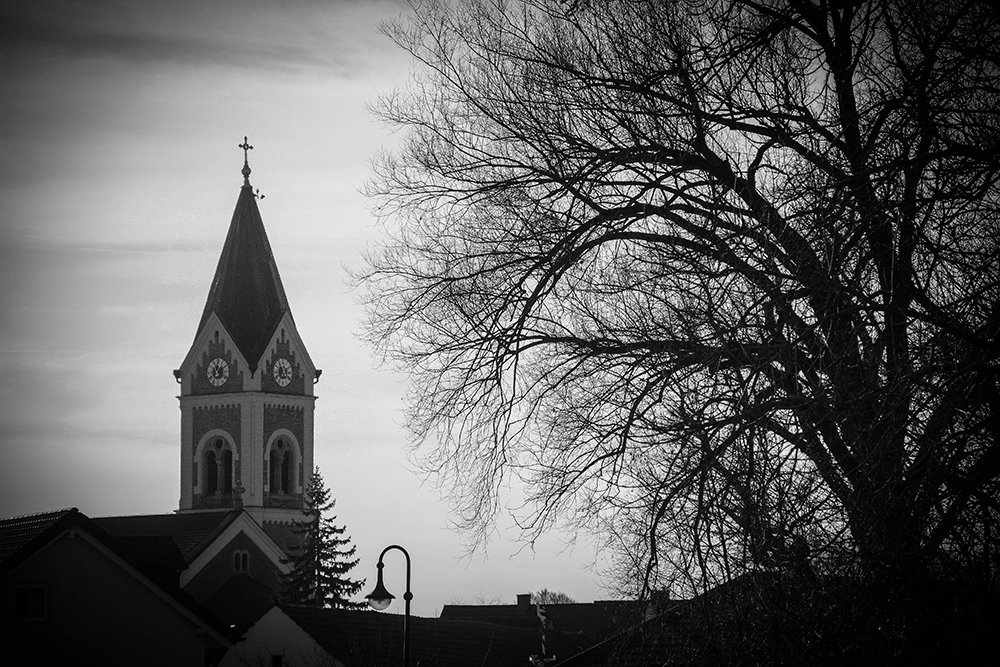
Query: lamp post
380	598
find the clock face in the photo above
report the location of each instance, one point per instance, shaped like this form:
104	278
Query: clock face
282	372
218	372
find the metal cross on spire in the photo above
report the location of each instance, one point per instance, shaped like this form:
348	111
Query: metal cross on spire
246	164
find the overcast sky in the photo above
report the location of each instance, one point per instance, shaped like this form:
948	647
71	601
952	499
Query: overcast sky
119	172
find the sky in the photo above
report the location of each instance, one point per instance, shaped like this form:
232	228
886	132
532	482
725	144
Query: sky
119	172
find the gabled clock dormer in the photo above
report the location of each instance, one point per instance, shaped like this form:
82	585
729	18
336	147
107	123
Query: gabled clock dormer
246	384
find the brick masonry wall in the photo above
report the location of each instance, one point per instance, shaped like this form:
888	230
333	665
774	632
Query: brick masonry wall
287	417
226	417
282	534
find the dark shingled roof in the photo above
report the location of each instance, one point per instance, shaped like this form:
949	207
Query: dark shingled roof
669	639
18	531
23	536
190	531
373	639
159	552
246	292
709	629
158	555
585	623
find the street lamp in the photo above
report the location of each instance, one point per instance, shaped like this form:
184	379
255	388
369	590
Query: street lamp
380	599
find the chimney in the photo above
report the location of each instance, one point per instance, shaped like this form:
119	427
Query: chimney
657	603
524	603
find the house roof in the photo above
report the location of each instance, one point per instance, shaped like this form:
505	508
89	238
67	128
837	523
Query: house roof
668	639
159	552
703	630
584	623
18	531
370	639
192	532
24	536
246	293
156	556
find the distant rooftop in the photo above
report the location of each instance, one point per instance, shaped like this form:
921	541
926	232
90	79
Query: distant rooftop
370	639
584	623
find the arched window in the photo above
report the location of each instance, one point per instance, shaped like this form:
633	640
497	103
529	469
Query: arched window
286	472
282	467
279	471
211	473
273	469
227	471
214	471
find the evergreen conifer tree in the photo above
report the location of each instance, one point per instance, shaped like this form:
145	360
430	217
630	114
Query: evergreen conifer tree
323	557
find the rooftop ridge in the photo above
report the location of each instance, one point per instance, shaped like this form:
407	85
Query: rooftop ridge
62	510
170	513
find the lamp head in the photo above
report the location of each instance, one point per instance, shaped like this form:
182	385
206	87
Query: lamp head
379	599
379	604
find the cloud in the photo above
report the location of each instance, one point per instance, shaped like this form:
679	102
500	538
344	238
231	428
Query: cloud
253	34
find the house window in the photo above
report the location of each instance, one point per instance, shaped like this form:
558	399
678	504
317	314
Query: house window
31	602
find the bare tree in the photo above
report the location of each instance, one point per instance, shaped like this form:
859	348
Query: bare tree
717	279
545	596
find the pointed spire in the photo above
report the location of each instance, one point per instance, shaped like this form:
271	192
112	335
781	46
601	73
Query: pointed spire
246	292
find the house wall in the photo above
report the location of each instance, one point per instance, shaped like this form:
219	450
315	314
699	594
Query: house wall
98	613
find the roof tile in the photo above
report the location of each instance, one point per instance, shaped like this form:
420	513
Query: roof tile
17	531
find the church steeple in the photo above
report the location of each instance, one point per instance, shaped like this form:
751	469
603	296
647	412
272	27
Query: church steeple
246	384
246	293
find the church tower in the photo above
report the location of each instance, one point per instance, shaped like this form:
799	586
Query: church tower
246	385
